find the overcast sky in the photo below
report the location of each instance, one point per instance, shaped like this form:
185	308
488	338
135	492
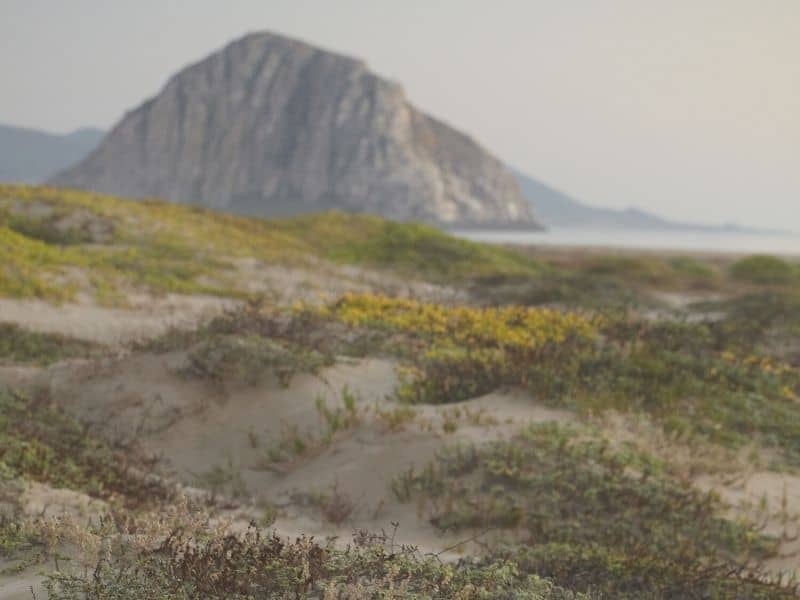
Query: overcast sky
690	108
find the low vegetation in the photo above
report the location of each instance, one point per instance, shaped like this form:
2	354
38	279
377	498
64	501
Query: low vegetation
55	243
763	269
767	322
593	518
248	358
563	288
411	249
19	542
40	442
463	352
731	381
293	444
239	567
555	512
21	346
562	515
622	281
705	379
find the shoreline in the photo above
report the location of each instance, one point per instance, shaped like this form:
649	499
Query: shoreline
642	243
722	256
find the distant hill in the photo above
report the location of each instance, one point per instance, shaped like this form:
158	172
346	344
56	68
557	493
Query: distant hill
557	209
270	125
31	156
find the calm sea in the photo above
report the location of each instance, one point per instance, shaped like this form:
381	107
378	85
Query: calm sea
722	241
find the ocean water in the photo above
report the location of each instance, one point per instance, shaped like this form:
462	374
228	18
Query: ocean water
697	241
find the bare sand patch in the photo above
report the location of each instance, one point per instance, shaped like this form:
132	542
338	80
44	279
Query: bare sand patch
200	429
324	280
145	318
42	501
18	377
20	585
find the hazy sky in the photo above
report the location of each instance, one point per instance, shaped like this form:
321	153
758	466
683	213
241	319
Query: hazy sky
690	108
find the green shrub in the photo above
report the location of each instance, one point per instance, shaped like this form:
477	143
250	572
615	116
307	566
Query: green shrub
255	567
693	272
762	269
579	290
708	379
61	228
39	442
247	358
571	508
648	271
410	248
18	345
767	321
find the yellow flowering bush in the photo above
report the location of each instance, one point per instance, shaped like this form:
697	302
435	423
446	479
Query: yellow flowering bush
516	327
465	351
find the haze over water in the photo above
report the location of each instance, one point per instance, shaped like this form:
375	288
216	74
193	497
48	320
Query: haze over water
699	241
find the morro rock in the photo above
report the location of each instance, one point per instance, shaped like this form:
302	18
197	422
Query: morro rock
273	126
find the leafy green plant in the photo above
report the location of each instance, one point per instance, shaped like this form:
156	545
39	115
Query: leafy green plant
57	225
17	540
697	377
765	321
247	358
592	517
763	269
39	442
19	345
696	273
631	269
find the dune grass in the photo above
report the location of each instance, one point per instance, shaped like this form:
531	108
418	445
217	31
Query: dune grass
765	269
600	522
20	346
603	282
725	381
568	506
731	382
407	248
55	243
245	358
223	565
40	442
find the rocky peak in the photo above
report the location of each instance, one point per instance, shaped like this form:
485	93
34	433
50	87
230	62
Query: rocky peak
271	126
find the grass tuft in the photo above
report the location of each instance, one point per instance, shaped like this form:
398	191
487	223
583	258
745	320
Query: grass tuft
764	269
591	518
20	346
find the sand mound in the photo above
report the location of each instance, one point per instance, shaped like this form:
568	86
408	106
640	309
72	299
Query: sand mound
222	439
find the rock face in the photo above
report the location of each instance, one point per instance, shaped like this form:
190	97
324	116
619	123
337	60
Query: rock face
271	126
